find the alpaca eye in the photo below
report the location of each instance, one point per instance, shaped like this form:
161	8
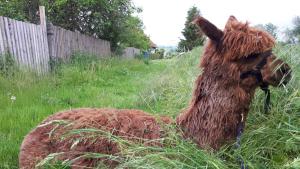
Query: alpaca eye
251	57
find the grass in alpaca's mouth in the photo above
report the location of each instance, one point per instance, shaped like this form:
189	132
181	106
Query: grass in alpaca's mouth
162	87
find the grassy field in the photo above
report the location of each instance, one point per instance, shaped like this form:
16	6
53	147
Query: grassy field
161	87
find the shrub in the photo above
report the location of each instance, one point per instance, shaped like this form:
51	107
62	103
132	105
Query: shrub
7	65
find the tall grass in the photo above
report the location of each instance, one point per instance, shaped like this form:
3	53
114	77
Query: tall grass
162	87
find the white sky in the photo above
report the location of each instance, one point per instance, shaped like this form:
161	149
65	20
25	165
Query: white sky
164	19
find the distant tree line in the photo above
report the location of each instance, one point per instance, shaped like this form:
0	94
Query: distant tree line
291	35
110	20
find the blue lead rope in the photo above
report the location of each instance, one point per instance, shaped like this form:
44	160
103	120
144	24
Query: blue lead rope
240	130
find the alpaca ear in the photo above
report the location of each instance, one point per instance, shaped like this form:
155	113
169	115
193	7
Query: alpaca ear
209	29
231	20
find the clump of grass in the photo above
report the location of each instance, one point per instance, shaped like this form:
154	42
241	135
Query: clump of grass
8	65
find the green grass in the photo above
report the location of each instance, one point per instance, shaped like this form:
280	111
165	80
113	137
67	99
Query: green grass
161	87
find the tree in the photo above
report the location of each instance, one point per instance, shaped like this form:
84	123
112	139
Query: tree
133	35
20	10
270	28
192	34
105	19
293	34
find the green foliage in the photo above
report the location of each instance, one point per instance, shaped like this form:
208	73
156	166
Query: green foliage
192	34
7	65
101	18
158	54
271	28
24	10
163	87
296	22
110	20
293	34
133	35
146	60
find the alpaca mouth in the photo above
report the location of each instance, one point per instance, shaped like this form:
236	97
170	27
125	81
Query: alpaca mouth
286	78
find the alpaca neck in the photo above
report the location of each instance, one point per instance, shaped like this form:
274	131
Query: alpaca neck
215	111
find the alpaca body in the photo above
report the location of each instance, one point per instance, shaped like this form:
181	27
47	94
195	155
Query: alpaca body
129	124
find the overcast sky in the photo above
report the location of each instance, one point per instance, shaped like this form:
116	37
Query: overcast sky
164	19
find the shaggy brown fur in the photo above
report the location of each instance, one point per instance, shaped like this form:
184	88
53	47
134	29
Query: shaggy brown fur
220	100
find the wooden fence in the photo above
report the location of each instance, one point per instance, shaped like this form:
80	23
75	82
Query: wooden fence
33	45
63	43
26	42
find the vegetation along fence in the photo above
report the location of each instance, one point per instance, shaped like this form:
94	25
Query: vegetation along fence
33	45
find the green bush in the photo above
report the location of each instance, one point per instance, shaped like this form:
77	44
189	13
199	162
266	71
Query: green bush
158	54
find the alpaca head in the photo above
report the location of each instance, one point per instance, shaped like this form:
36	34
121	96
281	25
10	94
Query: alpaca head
239	50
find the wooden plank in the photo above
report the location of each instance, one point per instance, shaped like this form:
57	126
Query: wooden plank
8	36
29	45
41	45
57	43
33	46
63	45
58	49
26	44
37	48
43	49
14	38
2	40
50	38
21	42
3	32
66	45
54	42
46	49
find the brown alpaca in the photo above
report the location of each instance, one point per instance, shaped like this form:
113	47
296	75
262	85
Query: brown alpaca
220	101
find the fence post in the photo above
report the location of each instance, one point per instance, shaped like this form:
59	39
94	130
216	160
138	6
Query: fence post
50	38
43	24
42	16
